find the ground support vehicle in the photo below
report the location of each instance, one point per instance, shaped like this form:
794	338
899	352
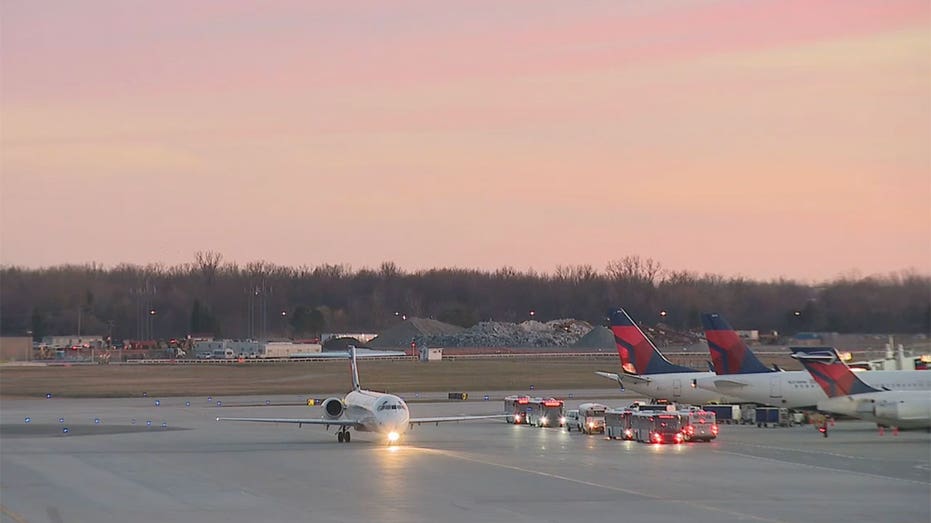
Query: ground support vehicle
591	418
617	424
516	409
657	427
546	412
698	425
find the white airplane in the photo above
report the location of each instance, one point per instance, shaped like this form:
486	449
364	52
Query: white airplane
748	380
848	395
646	371
365	411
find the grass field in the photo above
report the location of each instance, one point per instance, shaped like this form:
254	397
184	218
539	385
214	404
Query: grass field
84	381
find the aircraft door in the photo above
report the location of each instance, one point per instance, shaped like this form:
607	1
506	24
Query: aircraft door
676	388
775	386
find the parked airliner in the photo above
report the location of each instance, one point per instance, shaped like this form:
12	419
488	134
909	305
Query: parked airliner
646	371
850	396
748	380
365	411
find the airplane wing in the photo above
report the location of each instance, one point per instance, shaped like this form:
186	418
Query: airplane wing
621	378
445	419
300	421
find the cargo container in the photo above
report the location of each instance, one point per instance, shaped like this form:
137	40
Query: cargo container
726	414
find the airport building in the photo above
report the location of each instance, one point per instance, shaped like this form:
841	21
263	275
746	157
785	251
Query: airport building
224	349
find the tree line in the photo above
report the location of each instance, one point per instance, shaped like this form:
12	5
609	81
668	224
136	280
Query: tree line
263	300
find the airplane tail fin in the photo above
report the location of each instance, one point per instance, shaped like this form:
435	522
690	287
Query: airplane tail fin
826	367
729	353
637	352
354	367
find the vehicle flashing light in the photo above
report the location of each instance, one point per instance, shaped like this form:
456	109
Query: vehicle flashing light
543	420
523	400
552	403
562	420
678	438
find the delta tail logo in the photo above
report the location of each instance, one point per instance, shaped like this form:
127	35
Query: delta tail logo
729	354
638	354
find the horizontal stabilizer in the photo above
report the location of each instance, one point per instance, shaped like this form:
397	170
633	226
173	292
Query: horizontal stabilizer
622	378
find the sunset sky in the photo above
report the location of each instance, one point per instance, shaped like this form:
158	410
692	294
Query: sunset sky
753	138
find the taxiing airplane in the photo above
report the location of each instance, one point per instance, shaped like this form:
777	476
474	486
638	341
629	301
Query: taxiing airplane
365	411
646	371
850	396
752	382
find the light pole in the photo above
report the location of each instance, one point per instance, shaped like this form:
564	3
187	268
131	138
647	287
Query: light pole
152	314
284	324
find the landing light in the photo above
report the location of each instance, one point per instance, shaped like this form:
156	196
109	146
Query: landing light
393	436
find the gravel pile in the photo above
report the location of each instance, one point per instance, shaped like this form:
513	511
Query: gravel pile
556	333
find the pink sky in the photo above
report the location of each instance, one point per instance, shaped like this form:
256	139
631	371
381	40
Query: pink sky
761	139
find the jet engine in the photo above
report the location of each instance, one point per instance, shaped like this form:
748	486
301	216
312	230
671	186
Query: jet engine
914	409
333	408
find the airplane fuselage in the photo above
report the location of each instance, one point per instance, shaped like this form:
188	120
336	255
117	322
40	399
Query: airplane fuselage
902	409
677	387
376	412
797	389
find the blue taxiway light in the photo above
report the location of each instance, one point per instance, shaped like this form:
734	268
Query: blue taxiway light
28	419
64	430
148	423
158	403
219	403
97	421
187	403
61	420
267	402
48	395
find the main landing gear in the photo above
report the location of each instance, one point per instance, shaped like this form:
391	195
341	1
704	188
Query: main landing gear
343	436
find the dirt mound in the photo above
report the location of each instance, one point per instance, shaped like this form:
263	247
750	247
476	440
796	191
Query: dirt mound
401	335
597	338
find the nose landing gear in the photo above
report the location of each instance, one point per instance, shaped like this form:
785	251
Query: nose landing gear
343	436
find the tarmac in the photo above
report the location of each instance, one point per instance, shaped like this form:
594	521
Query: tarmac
113	466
